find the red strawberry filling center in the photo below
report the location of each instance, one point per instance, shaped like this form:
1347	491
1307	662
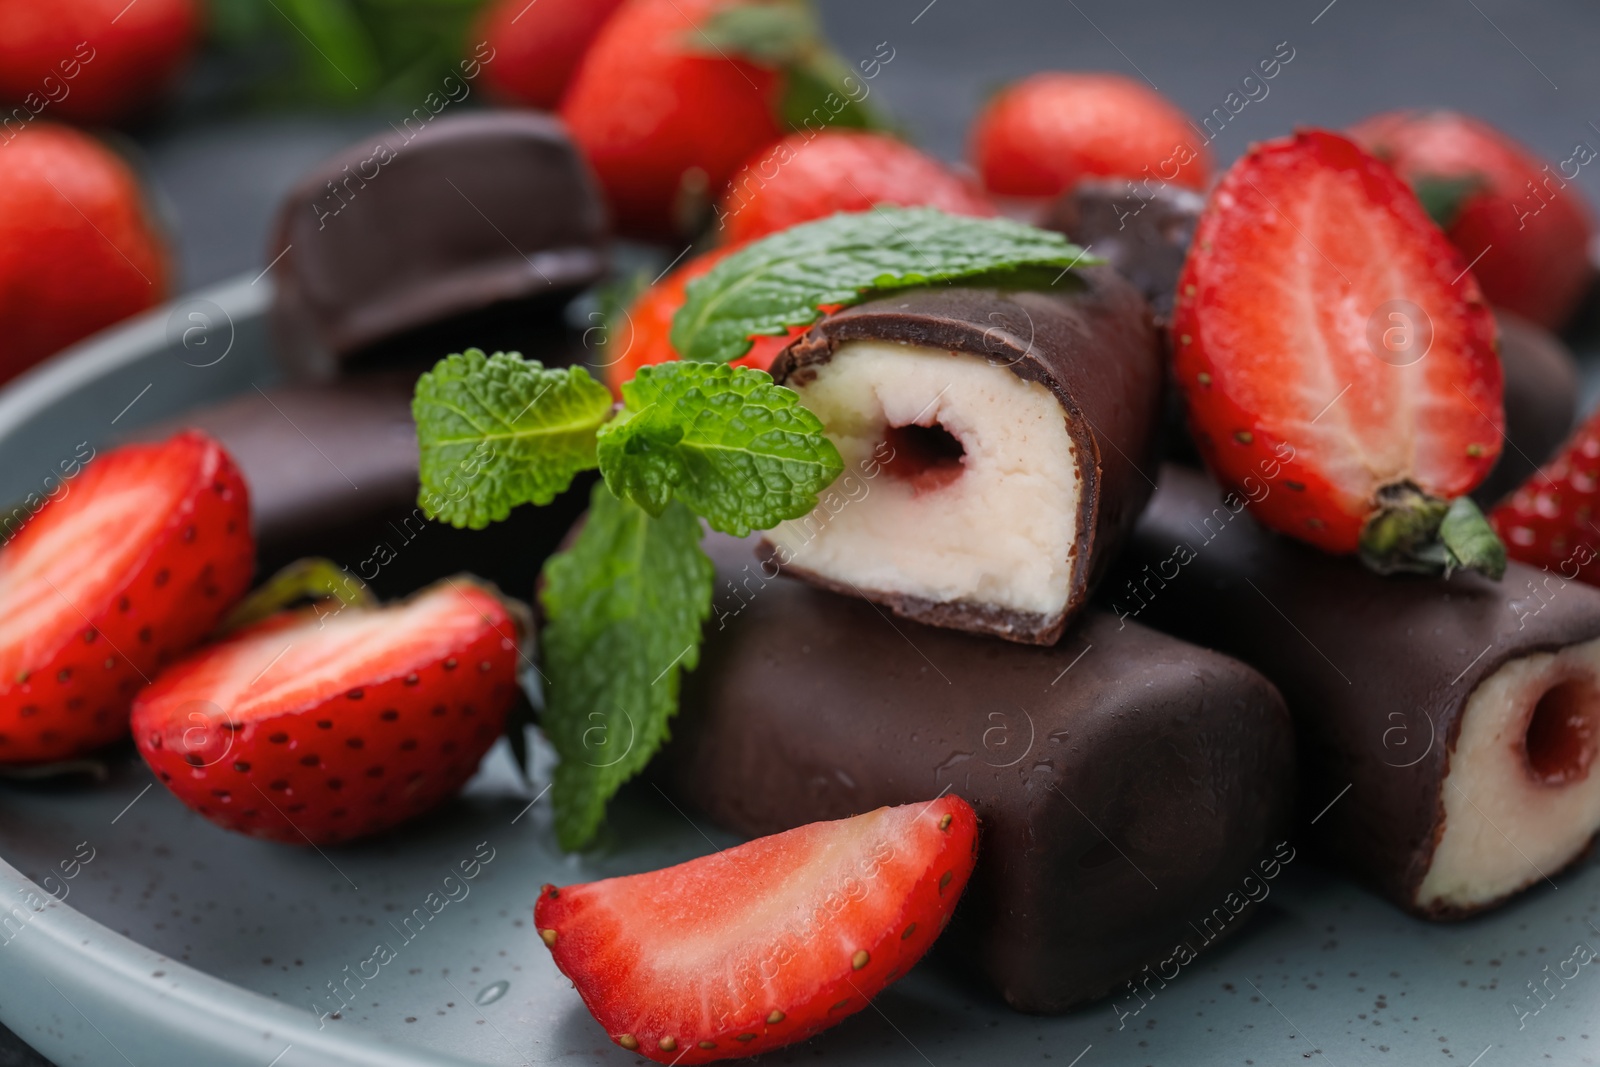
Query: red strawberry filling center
927	458
1562	733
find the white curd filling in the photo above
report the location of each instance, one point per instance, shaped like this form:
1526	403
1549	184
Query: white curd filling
961	482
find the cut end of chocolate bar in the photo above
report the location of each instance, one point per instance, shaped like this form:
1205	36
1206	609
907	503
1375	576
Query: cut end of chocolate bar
991	438
1522	796
962	491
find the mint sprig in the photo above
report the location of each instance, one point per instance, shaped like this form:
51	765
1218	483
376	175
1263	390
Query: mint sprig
497	431
782	280
624	607
741	452
625	603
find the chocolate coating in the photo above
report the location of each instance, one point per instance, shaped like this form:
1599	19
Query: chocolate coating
1090	341
810	706
1376	670
394	234
1541	399
1144	233
332	471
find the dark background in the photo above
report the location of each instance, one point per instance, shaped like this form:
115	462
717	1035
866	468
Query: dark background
1529	68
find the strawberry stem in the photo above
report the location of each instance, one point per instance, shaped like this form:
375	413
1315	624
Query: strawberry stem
1413	532
304	579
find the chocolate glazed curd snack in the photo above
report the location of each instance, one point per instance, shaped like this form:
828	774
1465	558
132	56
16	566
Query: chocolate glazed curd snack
1448	728
1128	783
1011	425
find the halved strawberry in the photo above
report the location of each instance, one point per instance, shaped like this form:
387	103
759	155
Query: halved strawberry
132	560
323	724
1553	520
762	945
1338	359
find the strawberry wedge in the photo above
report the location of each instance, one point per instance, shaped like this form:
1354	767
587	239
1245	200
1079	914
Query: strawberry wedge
323	726
765	944
133	560
1338	359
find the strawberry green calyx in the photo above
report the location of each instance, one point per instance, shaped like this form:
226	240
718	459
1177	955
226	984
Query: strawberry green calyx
785	35
312	579
1413	532
1443	196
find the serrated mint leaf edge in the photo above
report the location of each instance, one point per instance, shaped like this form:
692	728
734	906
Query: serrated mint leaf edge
1065	254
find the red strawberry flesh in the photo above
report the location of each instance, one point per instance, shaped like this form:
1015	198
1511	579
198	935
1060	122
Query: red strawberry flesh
764	944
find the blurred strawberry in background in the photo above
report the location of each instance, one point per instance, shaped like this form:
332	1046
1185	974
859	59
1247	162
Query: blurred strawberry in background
78	251
806	176
93	61
675	95
538	45
643	333
1039	137
1521	223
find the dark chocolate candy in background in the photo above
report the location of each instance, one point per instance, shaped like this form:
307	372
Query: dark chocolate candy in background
1541	401
1127	782
1142	229
407	230
1395	683
1083	350
332	471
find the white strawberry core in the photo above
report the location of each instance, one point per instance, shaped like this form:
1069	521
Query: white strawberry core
979	501
1522	796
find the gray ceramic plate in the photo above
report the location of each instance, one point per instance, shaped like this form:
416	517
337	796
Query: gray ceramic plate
132	931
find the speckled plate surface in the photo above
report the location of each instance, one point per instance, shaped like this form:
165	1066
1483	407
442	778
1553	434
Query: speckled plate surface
133	931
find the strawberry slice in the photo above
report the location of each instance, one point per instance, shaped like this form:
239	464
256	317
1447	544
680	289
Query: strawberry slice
762	945
325	724
137	557
1338	359
1553	520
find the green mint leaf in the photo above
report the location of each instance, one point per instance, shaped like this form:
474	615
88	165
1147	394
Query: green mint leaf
781	280
741	452
624	607
498	431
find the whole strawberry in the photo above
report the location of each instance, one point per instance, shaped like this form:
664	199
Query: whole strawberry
675	95
77	250
323	725
642	335
1039	137
811	176
1553	520
1522	224
537	46
766	943
133	558
95	61
1338	360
